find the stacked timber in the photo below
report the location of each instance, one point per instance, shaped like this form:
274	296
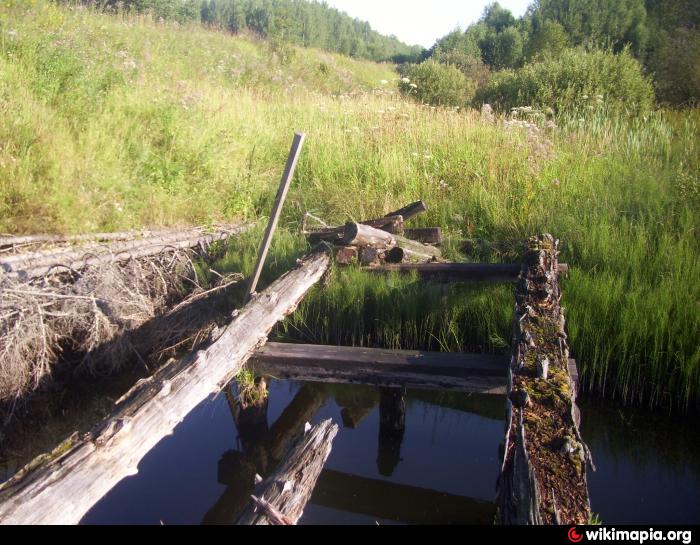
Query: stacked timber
543	476
383	241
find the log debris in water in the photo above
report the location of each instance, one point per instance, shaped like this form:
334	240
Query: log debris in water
61	487
281	498
543	477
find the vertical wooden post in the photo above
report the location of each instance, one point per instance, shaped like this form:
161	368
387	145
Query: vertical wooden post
289	169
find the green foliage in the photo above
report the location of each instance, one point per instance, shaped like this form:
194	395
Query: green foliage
548	38
471	66
307	24
437	84
576	82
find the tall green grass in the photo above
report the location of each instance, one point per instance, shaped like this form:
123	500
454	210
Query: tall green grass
112	123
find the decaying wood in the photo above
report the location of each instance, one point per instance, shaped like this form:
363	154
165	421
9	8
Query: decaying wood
346	256
418	247
427	235
369	255
390	224
411	211
357	234
60	488
460	272
543	477
37	264
402	255
335	235
282	497
473	373
26	240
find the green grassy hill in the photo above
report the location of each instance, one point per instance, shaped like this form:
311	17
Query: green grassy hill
112	123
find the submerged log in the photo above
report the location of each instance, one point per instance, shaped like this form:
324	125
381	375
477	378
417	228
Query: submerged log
60	488
392	428
473	373
281	498
543	476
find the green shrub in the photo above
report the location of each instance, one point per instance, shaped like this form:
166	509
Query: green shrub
437	84
575	81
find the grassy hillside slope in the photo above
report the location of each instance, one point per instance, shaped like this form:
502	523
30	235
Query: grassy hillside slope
109	123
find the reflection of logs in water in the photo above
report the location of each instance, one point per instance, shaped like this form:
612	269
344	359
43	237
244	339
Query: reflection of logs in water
392	426
263	451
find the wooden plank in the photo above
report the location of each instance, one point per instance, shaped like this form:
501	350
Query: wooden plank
398	502
427	235
60	488
459	272
475	373
286	181
410	211
281	498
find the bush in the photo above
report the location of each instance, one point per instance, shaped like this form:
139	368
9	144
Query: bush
437	84
471	66
575	81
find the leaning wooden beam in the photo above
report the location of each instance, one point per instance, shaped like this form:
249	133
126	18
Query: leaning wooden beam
63	486
27	267
281	498
543	476
410	211
460	272
477	373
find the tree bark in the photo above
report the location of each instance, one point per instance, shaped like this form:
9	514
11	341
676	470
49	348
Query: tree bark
60	488
282	497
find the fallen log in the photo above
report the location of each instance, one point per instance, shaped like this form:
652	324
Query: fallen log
27	267
357	234
460	272
428	235
334	235
402	255
411	211
473	373
418	247
61	487
543	476
26	240
281	498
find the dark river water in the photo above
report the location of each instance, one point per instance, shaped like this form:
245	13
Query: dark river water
441	469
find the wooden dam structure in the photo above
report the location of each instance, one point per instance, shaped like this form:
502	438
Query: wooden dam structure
542	480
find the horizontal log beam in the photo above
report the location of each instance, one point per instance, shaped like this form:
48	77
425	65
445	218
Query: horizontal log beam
398	502
473	373
411	211
60	488
460	272
427	235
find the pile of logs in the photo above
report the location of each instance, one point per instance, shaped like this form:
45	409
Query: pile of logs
373	243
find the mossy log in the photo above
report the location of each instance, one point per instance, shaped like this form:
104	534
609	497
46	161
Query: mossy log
62	487
281	498
543	476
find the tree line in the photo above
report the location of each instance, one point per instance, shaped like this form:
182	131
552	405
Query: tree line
663	35
299	22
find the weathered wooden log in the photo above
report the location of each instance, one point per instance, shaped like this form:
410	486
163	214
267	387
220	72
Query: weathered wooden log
460	272
334	235
543	476
347	256
384	500
411	211
29	266
357	234
282	497
262	452
402	255
473	373
390	224
62	487
418	247
427	235
369	256
25	240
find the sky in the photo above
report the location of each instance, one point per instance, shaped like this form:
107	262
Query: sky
421	22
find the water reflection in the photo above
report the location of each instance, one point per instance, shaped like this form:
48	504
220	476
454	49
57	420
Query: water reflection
398	459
